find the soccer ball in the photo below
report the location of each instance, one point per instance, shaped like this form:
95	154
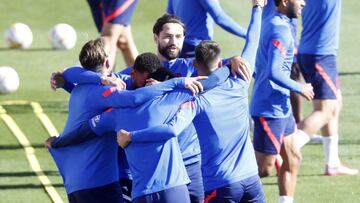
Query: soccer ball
9	80
18	35
62	36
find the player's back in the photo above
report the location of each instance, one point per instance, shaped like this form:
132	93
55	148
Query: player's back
92	163
321	27
223	131
154	166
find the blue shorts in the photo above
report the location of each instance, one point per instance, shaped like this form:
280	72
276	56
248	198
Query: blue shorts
195	187
322	72
247	190
179	194
112	11
107	193
269	133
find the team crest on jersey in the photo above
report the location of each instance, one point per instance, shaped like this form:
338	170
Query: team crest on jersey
95	120
181	115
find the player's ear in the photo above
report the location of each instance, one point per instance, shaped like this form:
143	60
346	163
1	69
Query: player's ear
220	64
132	73
156	38
107	63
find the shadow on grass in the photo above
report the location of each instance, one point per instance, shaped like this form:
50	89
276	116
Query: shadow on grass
29	49
341	142
16	147
311	175
349	73
27	186
27	174
274	183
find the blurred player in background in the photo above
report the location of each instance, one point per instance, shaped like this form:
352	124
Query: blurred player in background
317	58
295	99
198	17
275	128
112	19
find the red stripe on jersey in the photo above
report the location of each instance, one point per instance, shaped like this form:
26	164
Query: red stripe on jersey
190	104
296	51
210	196
326	77
109	109
118	11
270	134
107	92
278	45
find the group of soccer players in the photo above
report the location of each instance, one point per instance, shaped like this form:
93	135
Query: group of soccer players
194	145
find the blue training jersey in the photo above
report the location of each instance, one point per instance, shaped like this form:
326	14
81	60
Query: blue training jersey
272	86
94	163
270	10
321	27
198	17
154	166
221	119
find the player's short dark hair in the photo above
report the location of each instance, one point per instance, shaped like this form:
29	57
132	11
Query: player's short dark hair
92	55
164	19
207	52
147	62
162	74
277	2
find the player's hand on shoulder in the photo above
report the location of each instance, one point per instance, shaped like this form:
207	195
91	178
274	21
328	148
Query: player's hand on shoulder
307	91
240	66
113	81
57	80
48	141
260	3
194	85
123	138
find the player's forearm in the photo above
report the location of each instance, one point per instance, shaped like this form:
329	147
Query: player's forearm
115	98
153	134
253	37
81	76
82	134
279	77
222	19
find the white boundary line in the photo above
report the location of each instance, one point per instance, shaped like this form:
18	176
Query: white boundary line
29	150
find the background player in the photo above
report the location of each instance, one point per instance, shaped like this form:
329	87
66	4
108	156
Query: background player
112	19
275	127
317	58
198	17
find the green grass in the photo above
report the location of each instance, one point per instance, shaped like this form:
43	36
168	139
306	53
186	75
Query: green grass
19	184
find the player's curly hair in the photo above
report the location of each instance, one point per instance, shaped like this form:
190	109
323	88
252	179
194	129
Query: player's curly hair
162	74
147	62
167	18
92	55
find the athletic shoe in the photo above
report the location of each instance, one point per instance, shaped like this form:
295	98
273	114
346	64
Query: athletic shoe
340	170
